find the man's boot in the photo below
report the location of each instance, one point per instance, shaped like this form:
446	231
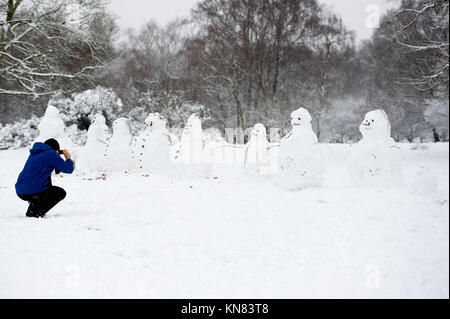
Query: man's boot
31	212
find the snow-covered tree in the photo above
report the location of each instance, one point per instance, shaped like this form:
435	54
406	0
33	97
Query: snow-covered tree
45	42
424	31
80	108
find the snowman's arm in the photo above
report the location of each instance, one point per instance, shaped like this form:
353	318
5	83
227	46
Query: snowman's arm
245	155
172	139
273	145
230	145
103	142
287	136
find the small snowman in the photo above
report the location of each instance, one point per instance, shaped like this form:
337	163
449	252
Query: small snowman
92	156
151	149
52	126
189	150
119	148
256	151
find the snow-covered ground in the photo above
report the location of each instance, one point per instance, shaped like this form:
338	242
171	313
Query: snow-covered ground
235	236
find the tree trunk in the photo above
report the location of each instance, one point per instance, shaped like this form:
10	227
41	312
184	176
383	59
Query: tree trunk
276	74
323	85
239	112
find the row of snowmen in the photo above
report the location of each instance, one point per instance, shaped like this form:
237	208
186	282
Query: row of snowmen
299	157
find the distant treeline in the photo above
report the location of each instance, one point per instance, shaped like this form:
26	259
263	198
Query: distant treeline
245	61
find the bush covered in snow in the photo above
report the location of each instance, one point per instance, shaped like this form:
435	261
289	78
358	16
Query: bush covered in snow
80	108
78	137
76	112
170	106
20	134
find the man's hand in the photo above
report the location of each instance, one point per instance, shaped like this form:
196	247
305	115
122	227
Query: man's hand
66	154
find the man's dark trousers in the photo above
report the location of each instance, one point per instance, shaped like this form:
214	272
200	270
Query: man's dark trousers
40	204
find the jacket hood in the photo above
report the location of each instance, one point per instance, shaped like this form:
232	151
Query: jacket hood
40	148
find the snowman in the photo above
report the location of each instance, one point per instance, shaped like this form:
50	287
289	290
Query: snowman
52	126
151	148
300	160
189	150
213	144
374	161
119	148
92	157
256	151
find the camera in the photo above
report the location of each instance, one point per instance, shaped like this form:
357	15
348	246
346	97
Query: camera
61	152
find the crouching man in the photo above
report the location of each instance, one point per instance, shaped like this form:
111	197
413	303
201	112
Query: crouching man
34	184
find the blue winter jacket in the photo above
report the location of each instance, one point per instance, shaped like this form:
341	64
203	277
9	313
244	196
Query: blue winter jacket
36	175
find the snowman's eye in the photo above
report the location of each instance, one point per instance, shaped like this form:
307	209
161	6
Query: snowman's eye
373	121
299	118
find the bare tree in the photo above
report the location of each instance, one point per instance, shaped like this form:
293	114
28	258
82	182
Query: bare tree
248	44
44	42
331	39
424	31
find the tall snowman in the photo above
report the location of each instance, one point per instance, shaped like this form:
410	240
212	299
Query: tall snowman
52	126
256	151
300	161
190	148
151	149
92	156
119	148
374	161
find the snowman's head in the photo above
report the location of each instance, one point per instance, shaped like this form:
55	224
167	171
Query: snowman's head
193	125
259	132
98	128
301	118
99	119
121	126
155	122
376	124
51	111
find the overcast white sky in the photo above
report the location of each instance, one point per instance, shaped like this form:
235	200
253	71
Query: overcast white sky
134	13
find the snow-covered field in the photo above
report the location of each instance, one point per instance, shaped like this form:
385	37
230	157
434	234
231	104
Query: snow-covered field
235	236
